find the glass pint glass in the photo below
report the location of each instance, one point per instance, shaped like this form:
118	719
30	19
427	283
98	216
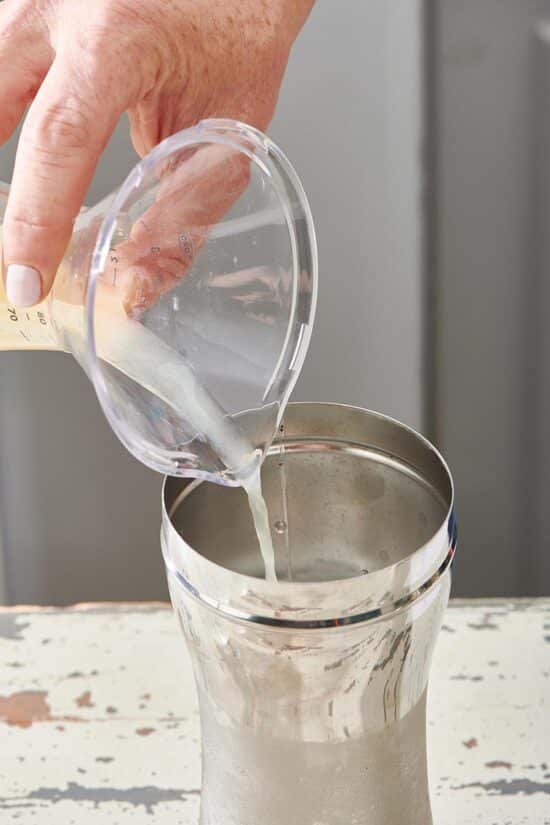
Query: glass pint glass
312	689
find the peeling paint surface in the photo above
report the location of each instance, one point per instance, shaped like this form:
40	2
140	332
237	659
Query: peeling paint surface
489	737
101	723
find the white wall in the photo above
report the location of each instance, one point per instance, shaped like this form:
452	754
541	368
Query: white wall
79	517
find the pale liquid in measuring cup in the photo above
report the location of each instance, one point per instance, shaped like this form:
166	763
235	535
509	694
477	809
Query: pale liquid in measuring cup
142	356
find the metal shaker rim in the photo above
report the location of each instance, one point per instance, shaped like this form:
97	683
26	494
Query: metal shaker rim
332	428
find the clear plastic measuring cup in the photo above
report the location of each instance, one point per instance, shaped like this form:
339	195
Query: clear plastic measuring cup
188	297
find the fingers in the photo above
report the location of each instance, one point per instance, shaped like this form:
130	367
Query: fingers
66	130
25	56
195	192
17	89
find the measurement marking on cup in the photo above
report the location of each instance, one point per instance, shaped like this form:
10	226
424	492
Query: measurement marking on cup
186	246
114	261
26	337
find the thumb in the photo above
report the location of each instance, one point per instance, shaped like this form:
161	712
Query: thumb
67	128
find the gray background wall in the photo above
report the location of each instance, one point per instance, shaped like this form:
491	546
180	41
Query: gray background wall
490	75
80	518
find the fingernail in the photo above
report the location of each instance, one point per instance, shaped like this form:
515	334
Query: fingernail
23	285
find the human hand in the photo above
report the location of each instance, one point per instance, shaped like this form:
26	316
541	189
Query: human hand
169	63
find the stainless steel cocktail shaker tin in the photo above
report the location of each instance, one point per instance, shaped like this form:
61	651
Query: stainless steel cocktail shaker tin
312	689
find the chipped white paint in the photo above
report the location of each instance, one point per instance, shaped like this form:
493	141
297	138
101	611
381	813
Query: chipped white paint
115	736
489	720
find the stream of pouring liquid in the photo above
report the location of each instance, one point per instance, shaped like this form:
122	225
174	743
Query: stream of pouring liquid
253	488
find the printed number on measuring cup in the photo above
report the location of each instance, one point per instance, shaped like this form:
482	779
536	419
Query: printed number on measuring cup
114	260
13	314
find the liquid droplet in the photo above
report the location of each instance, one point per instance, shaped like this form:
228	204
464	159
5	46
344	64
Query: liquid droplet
280	527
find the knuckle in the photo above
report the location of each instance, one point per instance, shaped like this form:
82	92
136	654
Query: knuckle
129	31
63	132
108	64
43	161
121	25
128	13
33	220
63	125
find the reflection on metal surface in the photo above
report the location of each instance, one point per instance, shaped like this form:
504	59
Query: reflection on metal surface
313	691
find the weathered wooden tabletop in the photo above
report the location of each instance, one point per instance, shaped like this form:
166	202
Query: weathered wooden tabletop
98	718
